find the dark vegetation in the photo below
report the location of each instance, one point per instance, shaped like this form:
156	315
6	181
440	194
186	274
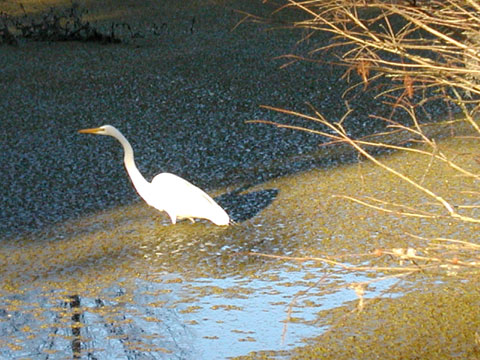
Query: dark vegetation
64	25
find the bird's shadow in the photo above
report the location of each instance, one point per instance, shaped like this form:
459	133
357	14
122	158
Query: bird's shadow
243	206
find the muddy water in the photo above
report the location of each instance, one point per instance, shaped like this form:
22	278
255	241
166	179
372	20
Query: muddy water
125	284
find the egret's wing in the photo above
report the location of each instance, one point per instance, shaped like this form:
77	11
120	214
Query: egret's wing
178	196
173	186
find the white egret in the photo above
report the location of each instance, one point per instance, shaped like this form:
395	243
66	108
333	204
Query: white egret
167	192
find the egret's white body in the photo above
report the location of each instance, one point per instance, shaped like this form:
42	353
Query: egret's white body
167	192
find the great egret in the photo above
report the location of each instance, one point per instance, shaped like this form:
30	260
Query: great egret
167	192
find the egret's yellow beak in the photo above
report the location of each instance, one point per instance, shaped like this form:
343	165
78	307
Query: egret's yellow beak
90	131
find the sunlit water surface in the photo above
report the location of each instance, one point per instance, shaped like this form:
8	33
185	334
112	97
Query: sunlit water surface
125	284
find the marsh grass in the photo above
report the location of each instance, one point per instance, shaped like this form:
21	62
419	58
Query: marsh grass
416	48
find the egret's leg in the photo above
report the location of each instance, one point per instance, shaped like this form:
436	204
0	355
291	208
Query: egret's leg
173	217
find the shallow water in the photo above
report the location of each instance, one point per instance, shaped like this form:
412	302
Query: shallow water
125	284
122	283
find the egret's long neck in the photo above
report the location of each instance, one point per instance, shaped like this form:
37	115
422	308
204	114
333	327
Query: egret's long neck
137	179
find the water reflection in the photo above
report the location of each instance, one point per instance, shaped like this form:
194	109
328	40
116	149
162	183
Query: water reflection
163	318
74	303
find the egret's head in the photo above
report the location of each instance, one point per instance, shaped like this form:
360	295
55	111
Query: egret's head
102	130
